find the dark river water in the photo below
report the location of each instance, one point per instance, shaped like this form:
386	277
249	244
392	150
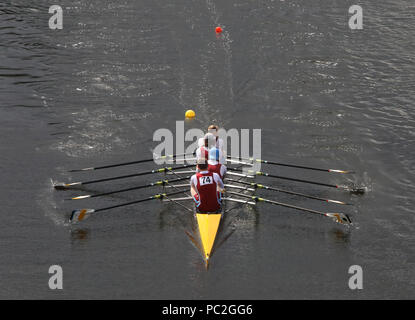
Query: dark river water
95	92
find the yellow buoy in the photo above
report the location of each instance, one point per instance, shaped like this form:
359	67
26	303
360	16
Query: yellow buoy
190	114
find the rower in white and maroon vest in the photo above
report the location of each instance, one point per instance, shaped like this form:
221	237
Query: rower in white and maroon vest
202	153
206	188
213	163
214	129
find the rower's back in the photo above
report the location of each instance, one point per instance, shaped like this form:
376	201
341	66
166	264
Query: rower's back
214	164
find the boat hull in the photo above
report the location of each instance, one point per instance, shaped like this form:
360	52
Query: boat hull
208	225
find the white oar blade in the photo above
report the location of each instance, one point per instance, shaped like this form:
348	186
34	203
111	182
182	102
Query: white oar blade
80	214
340	218
336	201
81	197
64	186
354	189
340	171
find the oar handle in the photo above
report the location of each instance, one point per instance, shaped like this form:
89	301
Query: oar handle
157	196
119	177
161	170
291	165
131	162
298	180
338	217
152	184
265	174
112	165
262	186
259	199
294	166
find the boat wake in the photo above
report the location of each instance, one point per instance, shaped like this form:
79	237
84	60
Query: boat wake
49	206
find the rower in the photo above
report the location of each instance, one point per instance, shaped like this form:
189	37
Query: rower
214	129
206	188
202	153
213	163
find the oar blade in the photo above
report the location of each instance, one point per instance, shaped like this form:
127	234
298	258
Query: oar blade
60	186
80	197
339	202
65	186
339	217
341	171
291	165
80	214
353	188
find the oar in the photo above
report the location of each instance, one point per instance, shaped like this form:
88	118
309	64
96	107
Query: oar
259	173
131	162
63	186
152	184
261	186
82	214
291	165
338	217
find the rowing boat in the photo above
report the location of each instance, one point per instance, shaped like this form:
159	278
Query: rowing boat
209	224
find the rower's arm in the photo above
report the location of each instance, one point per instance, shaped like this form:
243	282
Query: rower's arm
223	170
201	142
218	180
193	190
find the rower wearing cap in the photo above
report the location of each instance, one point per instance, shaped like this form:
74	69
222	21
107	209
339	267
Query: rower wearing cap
214	129
209	141
213	163
206	188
